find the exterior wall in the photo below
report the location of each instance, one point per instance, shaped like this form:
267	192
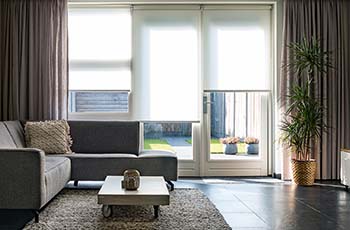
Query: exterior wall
154	130
98	101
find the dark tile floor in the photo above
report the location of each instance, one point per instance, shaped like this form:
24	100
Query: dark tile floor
255	203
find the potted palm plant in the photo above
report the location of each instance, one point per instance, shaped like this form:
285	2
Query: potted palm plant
303	124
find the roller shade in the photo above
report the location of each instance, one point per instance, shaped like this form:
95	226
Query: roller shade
237	49
166	65
99	48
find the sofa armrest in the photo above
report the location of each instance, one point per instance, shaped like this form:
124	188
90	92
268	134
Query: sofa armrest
22	179
163	163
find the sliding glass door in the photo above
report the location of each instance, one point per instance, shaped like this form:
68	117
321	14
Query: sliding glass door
166	80
237	90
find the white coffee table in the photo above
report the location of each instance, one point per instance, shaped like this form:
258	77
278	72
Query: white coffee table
152	191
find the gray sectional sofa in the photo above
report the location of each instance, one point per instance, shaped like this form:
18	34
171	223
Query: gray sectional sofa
29	178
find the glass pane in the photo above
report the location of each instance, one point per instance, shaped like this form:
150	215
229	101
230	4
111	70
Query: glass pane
176	137
99	34
236	124
93	101
99	79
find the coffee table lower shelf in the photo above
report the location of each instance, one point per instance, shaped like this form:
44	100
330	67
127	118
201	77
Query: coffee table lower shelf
107	210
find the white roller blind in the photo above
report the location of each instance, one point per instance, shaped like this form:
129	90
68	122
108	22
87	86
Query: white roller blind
237	49
99	48
166	65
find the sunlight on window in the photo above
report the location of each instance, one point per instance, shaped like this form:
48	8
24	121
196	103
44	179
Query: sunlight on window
173	68
241	58
99	80
99	34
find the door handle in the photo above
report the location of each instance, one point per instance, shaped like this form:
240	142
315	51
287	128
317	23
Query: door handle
206	102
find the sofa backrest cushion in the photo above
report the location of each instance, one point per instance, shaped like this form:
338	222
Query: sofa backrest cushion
105	136
6	140
50	136
16	131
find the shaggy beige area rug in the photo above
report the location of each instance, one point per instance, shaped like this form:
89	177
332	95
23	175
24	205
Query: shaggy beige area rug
78	209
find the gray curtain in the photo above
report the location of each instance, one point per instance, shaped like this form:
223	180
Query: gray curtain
329	21
33	59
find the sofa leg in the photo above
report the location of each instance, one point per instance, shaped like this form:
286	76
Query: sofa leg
36	216
170	184
76	183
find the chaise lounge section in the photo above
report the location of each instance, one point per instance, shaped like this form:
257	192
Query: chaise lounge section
30	178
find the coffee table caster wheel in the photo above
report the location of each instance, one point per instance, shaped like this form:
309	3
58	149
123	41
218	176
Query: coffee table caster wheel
106	210
156	211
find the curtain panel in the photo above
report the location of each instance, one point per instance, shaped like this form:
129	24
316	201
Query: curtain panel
328	21
34	59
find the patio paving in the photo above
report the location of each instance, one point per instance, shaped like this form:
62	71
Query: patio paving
182	148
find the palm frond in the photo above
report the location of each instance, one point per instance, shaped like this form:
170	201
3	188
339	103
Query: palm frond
307	57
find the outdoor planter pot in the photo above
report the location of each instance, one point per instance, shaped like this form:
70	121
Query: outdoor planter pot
230	149
252	148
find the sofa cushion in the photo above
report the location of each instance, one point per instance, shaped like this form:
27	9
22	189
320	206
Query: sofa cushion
52	162
16	130
49	136
157	154
98	166
6	140
105	136
57	174
163	163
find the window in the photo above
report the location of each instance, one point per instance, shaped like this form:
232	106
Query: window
99	59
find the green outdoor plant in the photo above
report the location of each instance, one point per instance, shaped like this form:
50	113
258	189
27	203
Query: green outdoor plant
303	119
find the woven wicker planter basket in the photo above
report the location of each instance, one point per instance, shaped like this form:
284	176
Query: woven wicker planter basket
304	172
